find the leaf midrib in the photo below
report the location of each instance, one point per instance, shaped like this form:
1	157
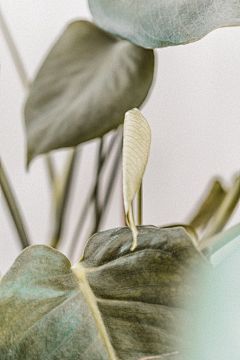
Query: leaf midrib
80	273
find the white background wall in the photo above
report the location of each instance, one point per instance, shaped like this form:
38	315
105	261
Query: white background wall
193	111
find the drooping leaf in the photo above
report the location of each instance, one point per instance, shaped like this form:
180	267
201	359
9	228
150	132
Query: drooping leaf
136	148
87	82
160	23
113	304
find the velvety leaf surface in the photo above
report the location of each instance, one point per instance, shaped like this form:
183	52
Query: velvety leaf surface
160	23
113	304
43	314
83	89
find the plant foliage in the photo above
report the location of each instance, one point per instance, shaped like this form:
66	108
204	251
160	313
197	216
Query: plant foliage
86	84
113	304
160	23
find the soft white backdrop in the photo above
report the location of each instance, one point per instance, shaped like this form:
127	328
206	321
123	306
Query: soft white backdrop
193	111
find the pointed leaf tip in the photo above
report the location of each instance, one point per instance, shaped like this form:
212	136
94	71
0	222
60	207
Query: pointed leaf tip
136	148
86	84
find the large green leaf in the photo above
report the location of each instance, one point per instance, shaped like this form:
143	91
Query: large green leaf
83	89
160	23
113	304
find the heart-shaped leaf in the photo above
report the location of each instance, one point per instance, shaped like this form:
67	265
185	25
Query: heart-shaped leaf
160	23
113	304
87	82
136	148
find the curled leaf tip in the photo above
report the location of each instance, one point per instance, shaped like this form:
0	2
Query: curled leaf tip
134	245
136	148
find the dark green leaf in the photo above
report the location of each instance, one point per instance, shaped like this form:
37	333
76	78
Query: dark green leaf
113	304
160	23
87	82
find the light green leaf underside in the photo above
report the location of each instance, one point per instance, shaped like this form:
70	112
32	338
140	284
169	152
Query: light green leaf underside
114	304
160	23
214	328
88	81
136	148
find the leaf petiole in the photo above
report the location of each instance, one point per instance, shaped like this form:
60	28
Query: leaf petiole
13	207
14	52
61	195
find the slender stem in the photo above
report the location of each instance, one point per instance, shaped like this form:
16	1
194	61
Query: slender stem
63	198
225	210
140	205
90	198
14	52
86	207
109	185
111	144
97	183
13	207
50	168
80	225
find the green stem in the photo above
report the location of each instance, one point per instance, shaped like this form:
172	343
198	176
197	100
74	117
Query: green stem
13	207
90	198
62	199
14	52
97	183
50	168
110	182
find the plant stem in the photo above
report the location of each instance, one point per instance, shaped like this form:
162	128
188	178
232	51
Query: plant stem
111	179
88	203
139	203
61	200
14	52
13	207
90	198
50	168
97	183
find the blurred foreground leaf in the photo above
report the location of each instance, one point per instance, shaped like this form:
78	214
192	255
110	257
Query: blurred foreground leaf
160	23
113	304
87	82
214	327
